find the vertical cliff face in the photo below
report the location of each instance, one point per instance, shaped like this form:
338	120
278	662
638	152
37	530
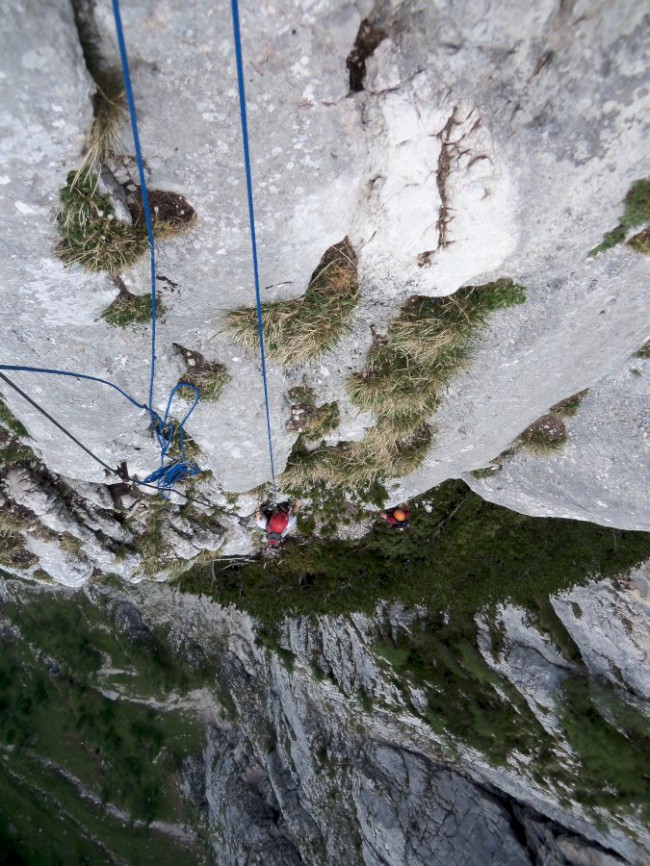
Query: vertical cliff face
316	748
452	145
470	182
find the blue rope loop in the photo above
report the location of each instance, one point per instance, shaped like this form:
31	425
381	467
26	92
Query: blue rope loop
251	220
165	431
178	470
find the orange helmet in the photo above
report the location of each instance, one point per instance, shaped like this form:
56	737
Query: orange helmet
399	514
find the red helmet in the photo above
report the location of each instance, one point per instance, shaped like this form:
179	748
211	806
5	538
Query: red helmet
278	522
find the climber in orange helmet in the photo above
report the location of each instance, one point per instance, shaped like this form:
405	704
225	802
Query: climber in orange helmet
398	517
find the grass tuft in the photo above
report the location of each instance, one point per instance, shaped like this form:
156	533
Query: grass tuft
402	383
312	421
644	351
91	236
128	309
109	109
210	378
636	212
640	243
299	330
547	434
637	204
9	421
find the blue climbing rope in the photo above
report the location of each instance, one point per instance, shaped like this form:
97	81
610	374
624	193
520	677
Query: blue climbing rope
165	429
251	219
143	184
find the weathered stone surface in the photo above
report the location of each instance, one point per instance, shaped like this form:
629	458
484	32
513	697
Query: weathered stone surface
302	770
463	103
601	472
611	626
528	660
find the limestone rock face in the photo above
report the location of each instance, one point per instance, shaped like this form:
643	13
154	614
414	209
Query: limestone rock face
453	144
306	770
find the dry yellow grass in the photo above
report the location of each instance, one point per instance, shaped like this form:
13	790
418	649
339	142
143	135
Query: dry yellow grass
299	330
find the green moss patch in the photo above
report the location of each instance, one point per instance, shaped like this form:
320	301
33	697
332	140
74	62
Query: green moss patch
128	309
636	212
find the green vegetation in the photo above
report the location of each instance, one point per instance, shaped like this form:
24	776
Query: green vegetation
300	330
109	99
61	736
612	741
640	242
547	434
210	378
636	212
71	544
405	375
332	508
91	236
109	109
644	351
9	421
466	698
461	553
308	419
128	309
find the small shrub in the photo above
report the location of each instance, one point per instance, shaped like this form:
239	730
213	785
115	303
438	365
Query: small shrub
299	330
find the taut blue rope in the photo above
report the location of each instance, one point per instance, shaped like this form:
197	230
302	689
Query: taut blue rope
143	185
164	429
251	219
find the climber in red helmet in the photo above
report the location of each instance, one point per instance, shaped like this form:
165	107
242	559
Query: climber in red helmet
277	520
398	517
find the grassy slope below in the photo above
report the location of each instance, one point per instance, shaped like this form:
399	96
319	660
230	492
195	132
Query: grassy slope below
460	554
463	555
79	771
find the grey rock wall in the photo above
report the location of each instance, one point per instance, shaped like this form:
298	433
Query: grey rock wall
487	140
305	771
